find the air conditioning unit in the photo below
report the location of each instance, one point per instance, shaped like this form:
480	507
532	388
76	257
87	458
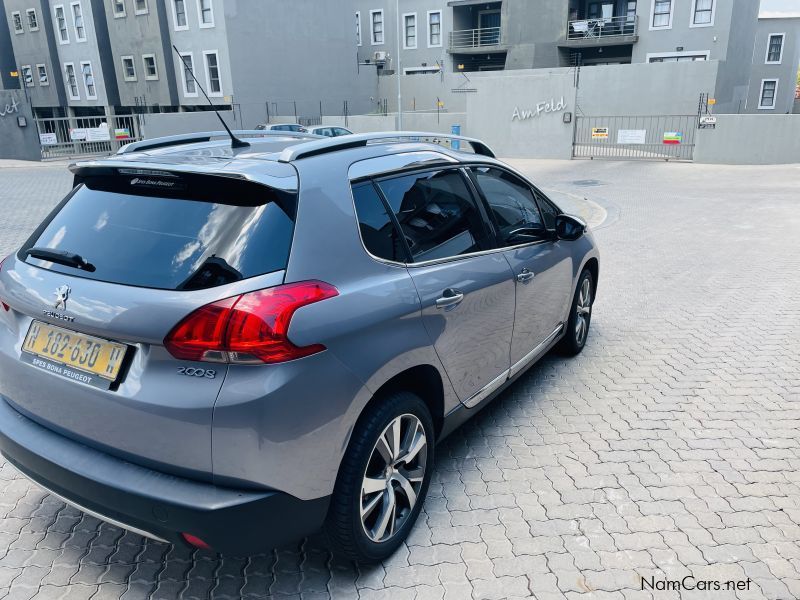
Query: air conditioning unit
380	57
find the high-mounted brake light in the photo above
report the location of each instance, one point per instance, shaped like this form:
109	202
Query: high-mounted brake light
248	329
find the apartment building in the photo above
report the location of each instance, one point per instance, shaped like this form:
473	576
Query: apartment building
773	76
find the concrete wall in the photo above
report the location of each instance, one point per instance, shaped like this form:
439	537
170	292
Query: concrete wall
785	72
440	123
750	139
7	62
15	141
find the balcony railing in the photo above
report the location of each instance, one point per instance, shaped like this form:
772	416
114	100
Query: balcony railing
599	28
474	38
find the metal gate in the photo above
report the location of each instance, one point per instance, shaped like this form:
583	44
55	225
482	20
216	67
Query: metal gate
63	137
657	137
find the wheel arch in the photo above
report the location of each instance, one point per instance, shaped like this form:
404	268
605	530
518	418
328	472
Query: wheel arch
593	265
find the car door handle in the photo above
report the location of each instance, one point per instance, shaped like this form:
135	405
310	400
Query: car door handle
450	297
525	276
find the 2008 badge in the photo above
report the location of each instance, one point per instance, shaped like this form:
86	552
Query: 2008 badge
192	372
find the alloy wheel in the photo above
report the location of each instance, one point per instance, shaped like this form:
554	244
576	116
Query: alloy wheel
393	478
584	311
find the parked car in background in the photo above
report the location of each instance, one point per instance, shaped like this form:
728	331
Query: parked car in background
328	131
230	346
282	127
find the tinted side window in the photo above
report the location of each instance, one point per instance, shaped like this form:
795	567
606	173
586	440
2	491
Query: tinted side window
380	236
510	200
437	214
549	210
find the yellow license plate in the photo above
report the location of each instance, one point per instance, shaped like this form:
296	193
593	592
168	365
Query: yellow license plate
75	350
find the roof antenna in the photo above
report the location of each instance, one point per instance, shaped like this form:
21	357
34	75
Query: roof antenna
235	141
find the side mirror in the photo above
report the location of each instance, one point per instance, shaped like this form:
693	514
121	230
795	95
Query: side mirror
569	228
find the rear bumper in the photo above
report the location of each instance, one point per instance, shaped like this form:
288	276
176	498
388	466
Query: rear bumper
231	521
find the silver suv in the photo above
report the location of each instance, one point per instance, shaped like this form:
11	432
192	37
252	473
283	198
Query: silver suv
232	346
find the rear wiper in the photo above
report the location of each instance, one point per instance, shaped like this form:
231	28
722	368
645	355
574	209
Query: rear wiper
62	257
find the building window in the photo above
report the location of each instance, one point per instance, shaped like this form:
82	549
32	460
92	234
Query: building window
179	11
434	29
212	73
775	48
33	20
41	70
376	26
150	66
410	30
128	68
72	82
206	13
421	70
119	8
88	80
77	21
702	13
662	14
140	7
61	25
16	19
358	28
187	69
769	89
27	75
630	12
677	57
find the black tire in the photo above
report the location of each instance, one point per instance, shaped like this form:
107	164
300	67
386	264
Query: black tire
572	343
344	528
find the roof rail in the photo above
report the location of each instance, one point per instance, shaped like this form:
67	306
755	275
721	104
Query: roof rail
206	136
323	146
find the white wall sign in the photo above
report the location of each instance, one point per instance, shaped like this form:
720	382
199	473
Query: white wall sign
48	139
98	134
541	108
632	136
78	134
10	108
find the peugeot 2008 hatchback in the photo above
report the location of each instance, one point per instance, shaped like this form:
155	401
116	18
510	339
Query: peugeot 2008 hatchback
231	347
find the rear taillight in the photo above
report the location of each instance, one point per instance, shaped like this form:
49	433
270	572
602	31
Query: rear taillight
248	329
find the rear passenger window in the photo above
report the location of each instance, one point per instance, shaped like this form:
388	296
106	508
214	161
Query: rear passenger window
437	214
379	234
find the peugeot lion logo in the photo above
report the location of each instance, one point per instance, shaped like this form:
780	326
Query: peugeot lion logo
62	295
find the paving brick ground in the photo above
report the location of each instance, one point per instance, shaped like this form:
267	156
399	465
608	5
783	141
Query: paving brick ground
670	447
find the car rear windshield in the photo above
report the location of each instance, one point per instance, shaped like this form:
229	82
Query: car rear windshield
140	233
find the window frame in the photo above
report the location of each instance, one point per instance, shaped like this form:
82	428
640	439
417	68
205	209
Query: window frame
28	13
119	15
696	53
535	193
86	83
405	31
67	67
441	28
147	76
175	26
652	20
693	15
372	27
200	22
488	224
72	6
39	75
184	79
125	76
767	61
30	70
17	15
774	94
61	40
359	41
144	11
430	70
211	93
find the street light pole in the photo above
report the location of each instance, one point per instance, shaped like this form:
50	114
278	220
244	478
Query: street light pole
398	69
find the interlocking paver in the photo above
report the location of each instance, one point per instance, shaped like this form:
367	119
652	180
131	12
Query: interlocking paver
670	446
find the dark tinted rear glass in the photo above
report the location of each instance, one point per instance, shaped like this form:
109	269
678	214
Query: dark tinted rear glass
168	243
380	235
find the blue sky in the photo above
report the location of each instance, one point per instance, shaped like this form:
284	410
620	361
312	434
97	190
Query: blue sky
775	8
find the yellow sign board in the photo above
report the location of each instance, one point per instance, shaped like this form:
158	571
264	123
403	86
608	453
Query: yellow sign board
712	101
599	133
